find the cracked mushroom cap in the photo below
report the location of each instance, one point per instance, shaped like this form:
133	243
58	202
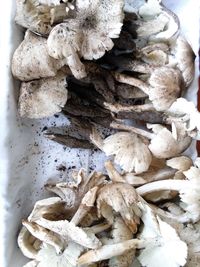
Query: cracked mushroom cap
121	198
43	98
39	15
130	151
32	61
166	143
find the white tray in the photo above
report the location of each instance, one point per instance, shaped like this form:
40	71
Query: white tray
27	159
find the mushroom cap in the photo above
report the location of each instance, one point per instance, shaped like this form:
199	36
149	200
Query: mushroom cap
48	257
32	61
165	88
43	98
129	150
165	144
185	58
181	163
166	251
190	196
25	242
121	198
39	15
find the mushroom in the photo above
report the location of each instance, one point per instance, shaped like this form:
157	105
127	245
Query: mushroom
185	111
45	236
31	59
26	242
157	238
122	199
48	256
99	21
120	233
87	203
73	192
43	98
164	143
38	15
130	152
183	56
188	190
163	87
33	263
164	23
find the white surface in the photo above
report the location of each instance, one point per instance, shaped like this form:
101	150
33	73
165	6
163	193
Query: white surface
27	159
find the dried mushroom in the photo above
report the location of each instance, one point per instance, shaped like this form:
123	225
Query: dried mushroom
94	20
32	61
43	98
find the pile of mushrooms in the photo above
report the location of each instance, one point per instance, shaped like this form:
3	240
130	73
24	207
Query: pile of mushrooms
102	219
124	67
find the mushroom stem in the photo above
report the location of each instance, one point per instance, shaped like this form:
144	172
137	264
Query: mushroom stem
113	173
113	250
181	218
175	185
123	78
122	108
44	235
144	133
86	204
98	228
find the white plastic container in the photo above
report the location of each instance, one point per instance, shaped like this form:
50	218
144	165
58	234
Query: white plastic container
27	159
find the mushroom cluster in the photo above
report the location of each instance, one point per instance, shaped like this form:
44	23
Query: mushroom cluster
118	70
101	219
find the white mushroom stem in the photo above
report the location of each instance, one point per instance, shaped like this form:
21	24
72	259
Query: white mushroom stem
182	218
98	228
45	235
113	173
175	185
113	250
141	132
123	78
76	66
136	108
86	204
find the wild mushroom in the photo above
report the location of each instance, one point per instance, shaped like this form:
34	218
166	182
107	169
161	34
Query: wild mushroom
120	233
122	199
31	59
163	87
184	111
157	237
165	22
99	21
130	152
188	191
74	191
48	256
26	242
38	15
45	236
183	57
43	98
164	143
